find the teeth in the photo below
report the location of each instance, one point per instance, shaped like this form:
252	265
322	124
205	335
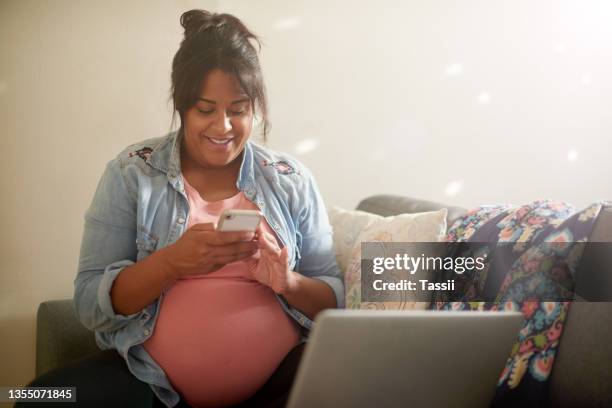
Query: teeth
220	141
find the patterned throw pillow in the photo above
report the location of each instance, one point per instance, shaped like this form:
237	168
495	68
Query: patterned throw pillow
537	274
419	227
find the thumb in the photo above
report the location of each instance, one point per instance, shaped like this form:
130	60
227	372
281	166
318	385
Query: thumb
284	255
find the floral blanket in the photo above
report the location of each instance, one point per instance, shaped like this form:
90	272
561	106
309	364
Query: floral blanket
520	287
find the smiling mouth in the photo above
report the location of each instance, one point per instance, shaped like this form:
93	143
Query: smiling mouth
219	141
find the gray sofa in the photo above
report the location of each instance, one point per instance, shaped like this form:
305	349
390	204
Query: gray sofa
581	377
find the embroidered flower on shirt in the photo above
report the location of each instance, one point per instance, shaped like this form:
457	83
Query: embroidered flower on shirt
282	167
143	153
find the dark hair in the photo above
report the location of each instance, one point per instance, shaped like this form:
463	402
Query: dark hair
216	41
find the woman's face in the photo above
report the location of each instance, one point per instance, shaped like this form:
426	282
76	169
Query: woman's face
219	124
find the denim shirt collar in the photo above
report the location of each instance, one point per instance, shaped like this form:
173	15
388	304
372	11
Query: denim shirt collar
166	157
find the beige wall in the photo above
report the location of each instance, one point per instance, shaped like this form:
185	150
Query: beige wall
79	80
467	102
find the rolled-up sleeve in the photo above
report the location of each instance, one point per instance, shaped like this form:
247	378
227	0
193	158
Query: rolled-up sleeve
317	257
107	247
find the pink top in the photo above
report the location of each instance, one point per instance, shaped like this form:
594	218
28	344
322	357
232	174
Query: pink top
220	336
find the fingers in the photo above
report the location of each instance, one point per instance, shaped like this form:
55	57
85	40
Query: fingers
225	259
206	226
284	255
224	238
207	233
267	241
248	247
216	267
228	247
275	256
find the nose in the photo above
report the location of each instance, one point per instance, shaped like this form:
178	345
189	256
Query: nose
222	123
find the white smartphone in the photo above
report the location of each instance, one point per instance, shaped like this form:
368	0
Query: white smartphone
239	220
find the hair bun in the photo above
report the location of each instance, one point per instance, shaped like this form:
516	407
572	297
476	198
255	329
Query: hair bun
197	21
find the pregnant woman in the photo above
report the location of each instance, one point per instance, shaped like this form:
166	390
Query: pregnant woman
188	315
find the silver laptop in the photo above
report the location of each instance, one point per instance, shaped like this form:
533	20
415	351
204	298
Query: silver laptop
368	358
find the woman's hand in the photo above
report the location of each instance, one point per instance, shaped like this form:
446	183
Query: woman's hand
272	269
202	249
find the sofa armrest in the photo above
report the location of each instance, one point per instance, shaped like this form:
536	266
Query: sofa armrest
582	373
60	337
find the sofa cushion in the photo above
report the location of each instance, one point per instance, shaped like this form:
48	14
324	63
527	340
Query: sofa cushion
420	227
347	225
387	205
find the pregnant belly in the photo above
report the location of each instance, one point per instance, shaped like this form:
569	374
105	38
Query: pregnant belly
219	339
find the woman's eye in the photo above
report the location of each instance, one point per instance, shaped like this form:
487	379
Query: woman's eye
232	112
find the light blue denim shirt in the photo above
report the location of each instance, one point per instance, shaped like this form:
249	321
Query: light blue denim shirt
140	206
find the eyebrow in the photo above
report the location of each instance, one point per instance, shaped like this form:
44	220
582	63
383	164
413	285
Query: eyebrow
233	103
